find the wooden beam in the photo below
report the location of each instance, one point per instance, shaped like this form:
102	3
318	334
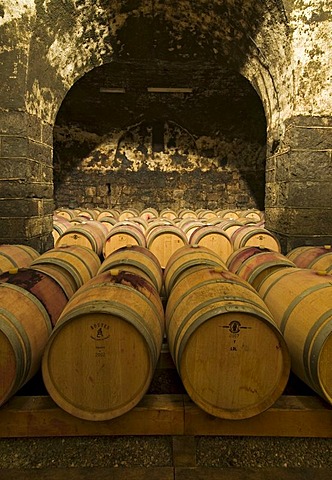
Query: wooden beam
291	416
41	417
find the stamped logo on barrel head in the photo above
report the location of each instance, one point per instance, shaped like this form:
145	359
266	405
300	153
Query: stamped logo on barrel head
100	331
235	326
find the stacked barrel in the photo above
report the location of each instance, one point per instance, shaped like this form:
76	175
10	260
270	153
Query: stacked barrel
93	311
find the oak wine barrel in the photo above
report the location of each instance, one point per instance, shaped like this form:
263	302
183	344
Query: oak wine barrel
101	356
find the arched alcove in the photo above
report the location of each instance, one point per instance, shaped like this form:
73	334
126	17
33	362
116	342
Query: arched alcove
160	134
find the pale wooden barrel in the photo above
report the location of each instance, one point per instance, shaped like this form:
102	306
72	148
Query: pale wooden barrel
206	213
108	212
135	259
253	264
324	262
102	354
127	214
305	256
67	213
301	303
164	240
214	238
122	234
149	213
251	236
60	225
88	234
24	331
16	256
227	214
158	222
186	213
253	214
109	222
168	213
230	354
229	226
71	265
190	225
187	257
89	213
140	222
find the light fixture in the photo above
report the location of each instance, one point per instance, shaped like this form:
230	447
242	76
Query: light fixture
112	90
169	90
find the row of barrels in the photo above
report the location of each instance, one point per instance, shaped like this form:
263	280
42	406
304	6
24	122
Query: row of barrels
234	328
162	236
150	213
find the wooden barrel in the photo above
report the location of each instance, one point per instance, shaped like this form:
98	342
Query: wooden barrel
42	286
253	214
78	220
158	222
214	238
304	256
168	213
67	213
122	234
190	225
109	222
188	257
140	222
102	354
251	236
164	240
16	256
24	331
127	214
324	262
89	213
229	226
230	355
60	225
206	213
70	265
88	234
253	264
227	214
108	212
149	213
301	303
186	213
135	259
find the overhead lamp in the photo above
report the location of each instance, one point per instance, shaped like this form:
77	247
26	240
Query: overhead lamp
112	90
169	90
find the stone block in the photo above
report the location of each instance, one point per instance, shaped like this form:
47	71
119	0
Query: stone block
309	193
14	146
309	137
40	152
13	207
47	134
311	166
